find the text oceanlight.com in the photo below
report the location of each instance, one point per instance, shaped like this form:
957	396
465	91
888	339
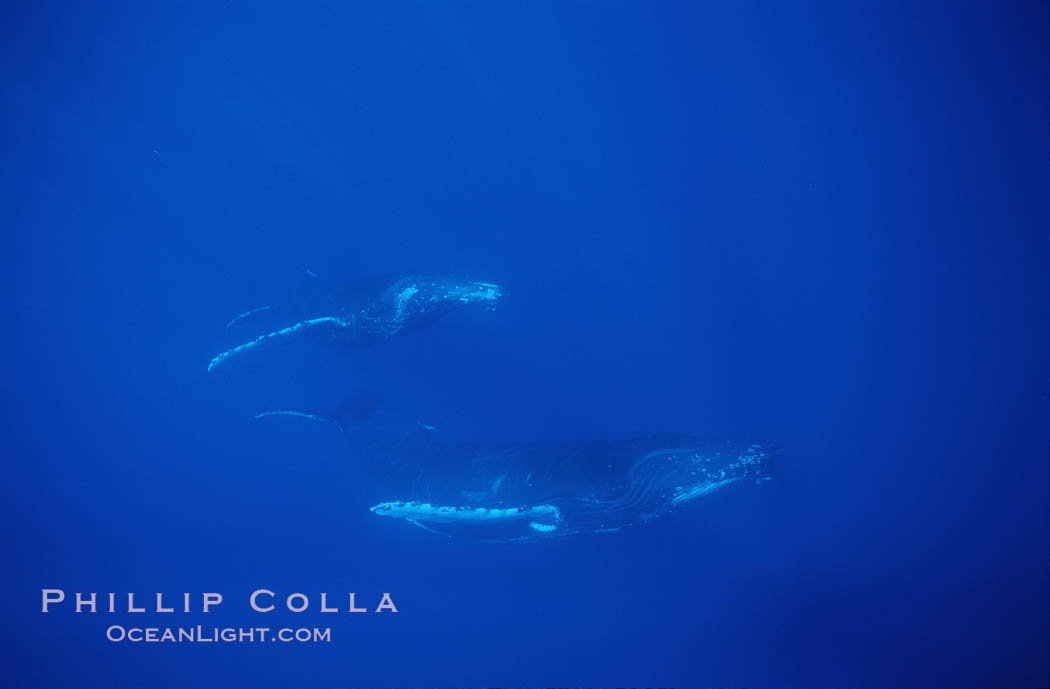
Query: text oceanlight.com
201	634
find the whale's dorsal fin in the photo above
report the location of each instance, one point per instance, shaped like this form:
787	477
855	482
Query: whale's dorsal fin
358	410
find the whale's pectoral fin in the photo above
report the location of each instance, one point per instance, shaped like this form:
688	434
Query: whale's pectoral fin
325	323
492	524
250	313
357	411
425	528
301	414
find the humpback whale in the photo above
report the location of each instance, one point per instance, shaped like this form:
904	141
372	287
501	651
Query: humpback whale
360	313
504	492
510	492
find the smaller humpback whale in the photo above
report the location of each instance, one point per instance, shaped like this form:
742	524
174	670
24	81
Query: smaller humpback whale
358	313
508	492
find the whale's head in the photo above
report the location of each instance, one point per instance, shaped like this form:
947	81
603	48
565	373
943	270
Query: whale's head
424	292
677	475
651	477
416	300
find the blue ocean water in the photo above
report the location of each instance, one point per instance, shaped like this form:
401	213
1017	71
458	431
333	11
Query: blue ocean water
822	226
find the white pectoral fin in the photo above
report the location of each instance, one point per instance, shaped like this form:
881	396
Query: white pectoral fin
425	528
323	322
442	514
250	312
292	412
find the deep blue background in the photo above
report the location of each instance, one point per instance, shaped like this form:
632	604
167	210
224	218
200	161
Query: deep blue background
820	225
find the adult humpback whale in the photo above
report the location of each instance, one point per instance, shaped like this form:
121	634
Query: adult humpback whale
366	311
524	492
